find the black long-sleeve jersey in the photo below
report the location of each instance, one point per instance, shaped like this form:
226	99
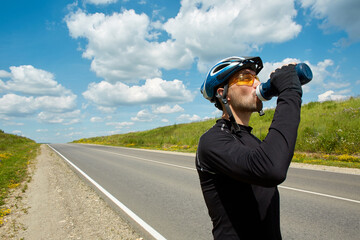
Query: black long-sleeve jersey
239	174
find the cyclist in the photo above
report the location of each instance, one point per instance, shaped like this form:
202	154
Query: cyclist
239	173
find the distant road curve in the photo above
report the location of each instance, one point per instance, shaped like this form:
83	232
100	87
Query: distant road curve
162	190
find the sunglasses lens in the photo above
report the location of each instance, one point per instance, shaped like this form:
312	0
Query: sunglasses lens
244	79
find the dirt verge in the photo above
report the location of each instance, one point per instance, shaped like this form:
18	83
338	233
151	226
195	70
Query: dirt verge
59	205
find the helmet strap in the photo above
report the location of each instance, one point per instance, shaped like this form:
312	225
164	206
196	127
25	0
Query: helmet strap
227	107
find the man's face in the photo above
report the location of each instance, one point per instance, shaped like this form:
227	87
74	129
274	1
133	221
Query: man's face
243	98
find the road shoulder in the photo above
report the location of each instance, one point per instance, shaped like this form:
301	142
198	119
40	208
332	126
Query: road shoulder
355	171
59	205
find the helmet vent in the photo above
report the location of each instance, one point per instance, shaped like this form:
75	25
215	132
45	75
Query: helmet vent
218	68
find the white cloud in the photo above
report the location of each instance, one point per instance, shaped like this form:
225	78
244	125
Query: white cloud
217	113
106	109
96	119
345	91
29	80
121	46
330	96
56	104
5	118
18	106
343	15
325	75
74	134
42	93
152	92
66	118
321	72
120	124
143	116
36	91
166	109
14	105
124	46
219	28
42	130
18	132
4	74
188	117
269	67
337	85
99	2
12	123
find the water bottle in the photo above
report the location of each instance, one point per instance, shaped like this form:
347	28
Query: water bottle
265	92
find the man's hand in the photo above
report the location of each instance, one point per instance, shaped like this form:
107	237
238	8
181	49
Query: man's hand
284	78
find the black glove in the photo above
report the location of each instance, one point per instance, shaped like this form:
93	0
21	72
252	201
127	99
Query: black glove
286	78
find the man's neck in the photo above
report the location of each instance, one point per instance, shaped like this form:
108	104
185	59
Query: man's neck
242	118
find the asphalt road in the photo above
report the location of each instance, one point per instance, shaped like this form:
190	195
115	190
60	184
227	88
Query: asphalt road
163	190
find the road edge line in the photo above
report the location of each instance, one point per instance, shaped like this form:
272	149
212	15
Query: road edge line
130	213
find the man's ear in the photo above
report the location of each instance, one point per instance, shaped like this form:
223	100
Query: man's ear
219	92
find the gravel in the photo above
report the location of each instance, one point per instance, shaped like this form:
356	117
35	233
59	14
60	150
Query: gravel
60	205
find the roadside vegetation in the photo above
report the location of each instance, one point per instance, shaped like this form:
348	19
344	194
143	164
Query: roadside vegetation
15	155
329	134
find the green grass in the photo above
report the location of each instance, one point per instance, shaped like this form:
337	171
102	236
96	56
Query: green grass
330	127
178	137
326	129
15	154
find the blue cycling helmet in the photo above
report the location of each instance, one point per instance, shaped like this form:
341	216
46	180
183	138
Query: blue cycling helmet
222	71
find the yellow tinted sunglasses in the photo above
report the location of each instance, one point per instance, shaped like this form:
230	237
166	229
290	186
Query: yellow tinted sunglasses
243	79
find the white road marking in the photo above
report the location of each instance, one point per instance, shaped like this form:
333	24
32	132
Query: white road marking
130	213
285	187
320	194
148	160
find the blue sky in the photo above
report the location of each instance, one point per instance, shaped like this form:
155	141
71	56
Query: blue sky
77	69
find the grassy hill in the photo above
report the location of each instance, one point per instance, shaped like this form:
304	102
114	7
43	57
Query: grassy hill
329	133
15	154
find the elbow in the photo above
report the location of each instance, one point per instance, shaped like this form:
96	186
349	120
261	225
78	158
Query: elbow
275	177
271	171
278	177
